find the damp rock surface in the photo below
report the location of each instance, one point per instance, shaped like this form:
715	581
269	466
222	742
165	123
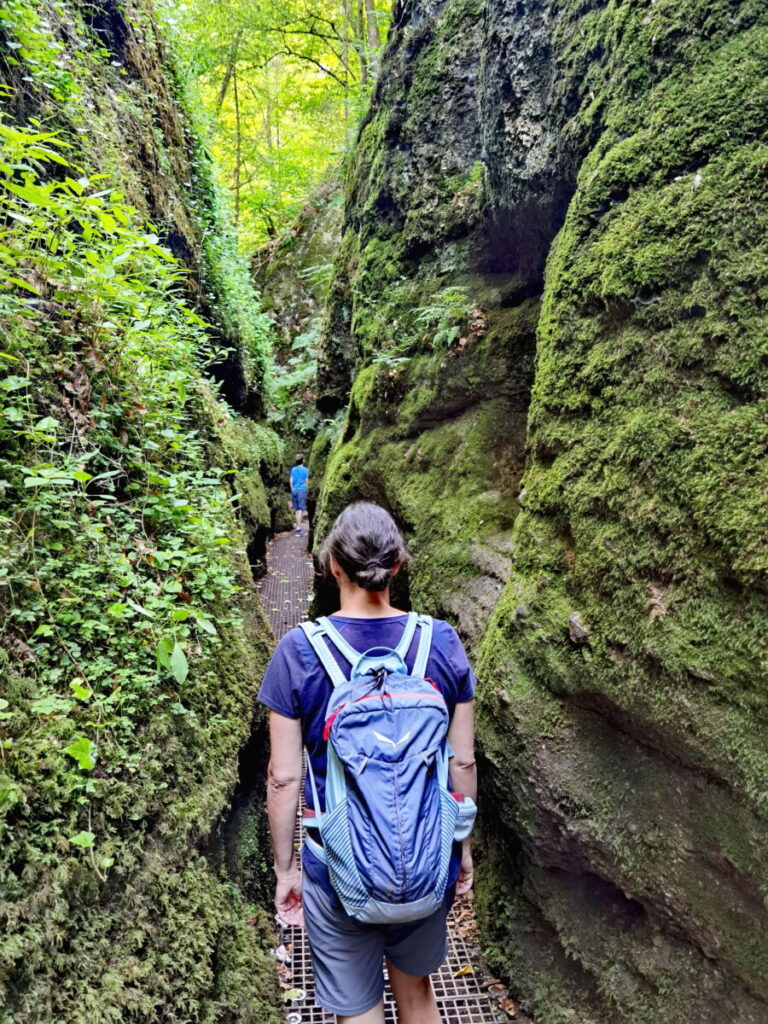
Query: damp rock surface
550	284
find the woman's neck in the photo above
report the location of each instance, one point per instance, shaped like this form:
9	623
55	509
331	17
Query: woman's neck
357	603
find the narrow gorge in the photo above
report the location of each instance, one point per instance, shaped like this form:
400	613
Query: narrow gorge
536	290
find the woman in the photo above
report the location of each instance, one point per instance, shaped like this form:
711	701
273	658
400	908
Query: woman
364	551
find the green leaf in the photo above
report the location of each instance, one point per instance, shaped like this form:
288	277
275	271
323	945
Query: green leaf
164	648
51	704
81	692
10	794
180	614
46	481
82	476
22	284
138	608
179	664
47	423
84	839
206	625
83	751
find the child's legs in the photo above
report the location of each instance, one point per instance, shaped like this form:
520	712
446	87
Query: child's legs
414	997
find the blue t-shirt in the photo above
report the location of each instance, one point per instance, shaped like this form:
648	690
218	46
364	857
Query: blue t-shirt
299	476
296	685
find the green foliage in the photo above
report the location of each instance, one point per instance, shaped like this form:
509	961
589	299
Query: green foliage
445	317
28	45
284	86
127	673
293	393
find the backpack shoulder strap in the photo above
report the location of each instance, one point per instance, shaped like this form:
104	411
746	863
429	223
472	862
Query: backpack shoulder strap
405	640
315	633
351	654
425	642
338	641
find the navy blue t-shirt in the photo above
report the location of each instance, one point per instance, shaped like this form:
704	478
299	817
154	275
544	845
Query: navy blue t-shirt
296	685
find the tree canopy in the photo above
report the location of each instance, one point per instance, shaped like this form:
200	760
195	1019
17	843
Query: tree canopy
284	85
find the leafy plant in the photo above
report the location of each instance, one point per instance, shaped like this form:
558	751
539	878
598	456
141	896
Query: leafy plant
445	317
115	580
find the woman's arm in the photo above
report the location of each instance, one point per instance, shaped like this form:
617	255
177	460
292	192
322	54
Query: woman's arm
283	789
461	737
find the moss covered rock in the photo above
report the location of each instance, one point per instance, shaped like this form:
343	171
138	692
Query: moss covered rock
132	641
581	187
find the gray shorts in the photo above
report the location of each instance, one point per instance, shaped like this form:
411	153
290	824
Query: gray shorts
348	956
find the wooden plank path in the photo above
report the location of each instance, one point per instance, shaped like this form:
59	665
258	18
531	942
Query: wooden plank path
465	992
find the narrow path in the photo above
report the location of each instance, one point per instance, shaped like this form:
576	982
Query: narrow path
465	992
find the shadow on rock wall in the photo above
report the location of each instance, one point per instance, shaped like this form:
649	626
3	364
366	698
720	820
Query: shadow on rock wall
575	455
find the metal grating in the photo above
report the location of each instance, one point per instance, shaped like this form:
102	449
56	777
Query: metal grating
464	996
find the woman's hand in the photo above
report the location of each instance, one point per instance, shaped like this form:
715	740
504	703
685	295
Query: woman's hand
467	873
288	902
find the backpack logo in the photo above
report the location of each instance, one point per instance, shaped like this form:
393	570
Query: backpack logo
395	743
390	820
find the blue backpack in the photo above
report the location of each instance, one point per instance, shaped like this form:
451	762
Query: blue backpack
390	819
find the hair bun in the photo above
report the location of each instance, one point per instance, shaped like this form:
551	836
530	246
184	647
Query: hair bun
367	545
376	577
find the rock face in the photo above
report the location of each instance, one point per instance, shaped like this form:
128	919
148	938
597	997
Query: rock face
119	756
291	272
552	274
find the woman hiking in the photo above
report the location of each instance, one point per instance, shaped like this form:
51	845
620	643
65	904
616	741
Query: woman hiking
413	677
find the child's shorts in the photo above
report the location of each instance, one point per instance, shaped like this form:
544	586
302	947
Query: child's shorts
348	956
299	500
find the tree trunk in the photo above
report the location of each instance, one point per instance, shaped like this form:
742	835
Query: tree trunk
238	145
231	62
362	42
373	29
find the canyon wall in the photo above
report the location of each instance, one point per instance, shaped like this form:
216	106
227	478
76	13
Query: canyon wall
546	337
134	503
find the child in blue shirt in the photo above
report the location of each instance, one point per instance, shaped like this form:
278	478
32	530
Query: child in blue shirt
299	477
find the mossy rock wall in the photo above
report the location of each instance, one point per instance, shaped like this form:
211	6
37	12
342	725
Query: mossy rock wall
591	178
132	497
291	271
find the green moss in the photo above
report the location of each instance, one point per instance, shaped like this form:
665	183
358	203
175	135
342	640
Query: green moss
624	766
639	753
132	552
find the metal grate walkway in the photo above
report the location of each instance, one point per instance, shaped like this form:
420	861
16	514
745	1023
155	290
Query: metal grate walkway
465	993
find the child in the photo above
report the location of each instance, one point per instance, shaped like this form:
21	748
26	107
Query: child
299	477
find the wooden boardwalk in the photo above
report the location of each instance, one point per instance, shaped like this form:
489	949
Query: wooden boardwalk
465	992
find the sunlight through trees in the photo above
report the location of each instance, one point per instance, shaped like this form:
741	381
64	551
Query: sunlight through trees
284	85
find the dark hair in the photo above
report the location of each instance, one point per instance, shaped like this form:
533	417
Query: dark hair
299	459
366	543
